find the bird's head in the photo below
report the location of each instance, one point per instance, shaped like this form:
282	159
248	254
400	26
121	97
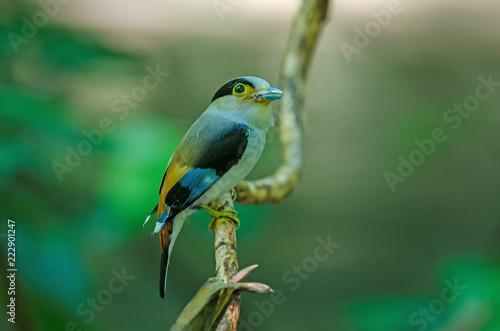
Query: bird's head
247	98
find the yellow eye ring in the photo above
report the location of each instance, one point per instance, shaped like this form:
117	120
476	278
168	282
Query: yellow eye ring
239	89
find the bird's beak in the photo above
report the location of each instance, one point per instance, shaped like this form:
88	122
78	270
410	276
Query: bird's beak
269	94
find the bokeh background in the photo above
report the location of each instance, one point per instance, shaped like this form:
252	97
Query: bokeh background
399	249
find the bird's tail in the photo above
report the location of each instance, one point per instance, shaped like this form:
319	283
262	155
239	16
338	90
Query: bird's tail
168	234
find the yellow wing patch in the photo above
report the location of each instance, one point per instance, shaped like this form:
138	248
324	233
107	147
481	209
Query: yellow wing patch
172	175
175	171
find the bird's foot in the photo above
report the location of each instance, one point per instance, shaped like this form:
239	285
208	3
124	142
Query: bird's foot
233	194
231	214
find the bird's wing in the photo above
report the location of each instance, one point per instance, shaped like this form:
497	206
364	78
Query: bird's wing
201	159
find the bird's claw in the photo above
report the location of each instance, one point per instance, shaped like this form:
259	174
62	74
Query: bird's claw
231	214
233	194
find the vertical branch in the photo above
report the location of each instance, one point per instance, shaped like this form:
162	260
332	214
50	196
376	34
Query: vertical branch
301	44
295	66
225	240
226	259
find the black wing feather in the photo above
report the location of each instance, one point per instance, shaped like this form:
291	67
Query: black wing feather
217	156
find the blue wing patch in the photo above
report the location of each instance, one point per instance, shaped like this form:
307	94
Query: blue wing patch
220	151
190	187
197	181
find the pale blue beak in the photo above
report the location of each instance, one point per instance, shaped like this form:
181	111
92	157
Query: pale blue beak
269	94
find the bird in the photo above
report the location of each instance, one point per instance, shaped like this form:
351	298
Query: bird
217	152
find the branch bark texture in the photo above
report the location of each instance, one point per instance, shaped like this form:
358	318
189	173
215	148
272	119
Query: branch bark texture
226	260
301	44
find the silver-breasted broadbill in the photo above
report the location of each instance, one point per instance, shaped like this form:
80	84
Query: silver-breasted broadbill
217	152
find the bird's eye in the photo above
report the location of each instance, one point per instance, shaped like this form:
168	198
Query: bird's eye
239	89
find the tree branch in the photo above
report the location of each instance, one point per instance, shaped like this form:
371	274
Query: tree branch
302	41
295	66
226	260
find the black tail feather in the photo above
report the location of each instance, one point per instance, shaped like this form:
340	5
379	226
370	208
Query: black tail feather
163	271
